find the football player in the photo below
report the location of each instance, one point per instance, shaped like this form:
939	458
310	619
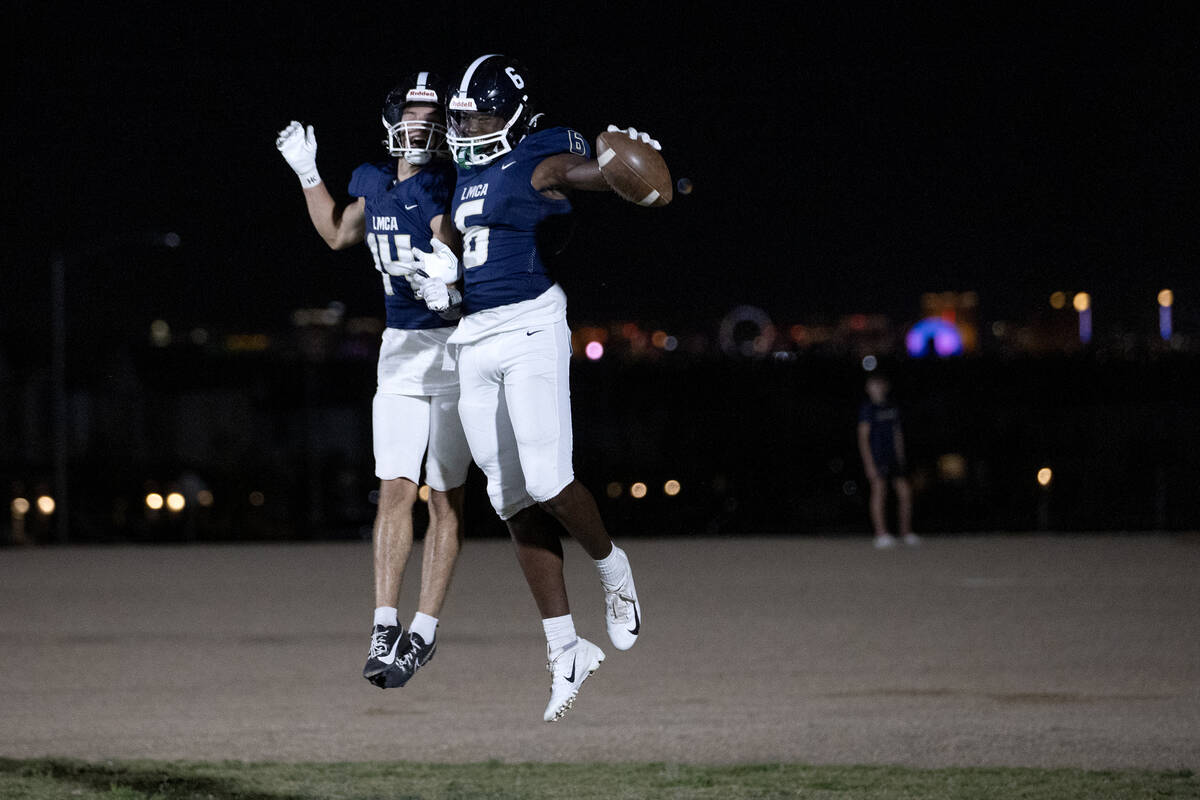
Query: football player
515	404
402	213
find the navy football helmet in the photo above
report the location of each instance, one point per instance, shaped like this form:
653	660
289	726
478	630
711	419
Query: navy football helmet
489	112
418	141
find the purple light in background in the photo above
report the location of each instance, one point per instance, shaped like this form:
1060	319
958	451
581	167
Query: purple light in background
943	336
915	342
946	342
1085	325
594	351
1164	322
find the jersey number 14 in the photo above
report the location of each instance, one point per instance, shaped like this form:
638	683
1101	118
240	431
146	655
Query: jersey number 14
402	266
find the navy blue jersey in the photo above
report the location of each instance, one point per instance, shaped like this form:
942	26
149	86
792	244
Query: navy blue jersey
398	216
884	420
499	213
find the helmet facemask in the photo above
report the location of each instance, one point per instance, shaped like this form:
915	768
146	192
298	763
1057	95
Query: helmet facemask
417	140
472	151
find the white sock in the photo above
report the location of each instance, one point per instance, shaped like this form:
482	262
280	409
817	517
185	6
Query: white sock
386	615
560	632
614	568
424	626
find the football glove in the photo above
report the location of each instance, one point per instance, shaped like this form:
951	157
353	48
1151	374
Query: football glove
299	148
441	264
635	135
437	295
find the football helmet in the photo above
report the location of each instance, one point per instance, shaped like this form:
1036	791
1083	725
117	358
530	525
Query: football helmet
418	141
489	112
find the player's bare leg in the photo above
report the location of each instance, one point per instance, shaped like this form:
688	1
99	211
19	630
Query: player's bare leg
443	541
570	658
540	555
392	537
392	544
575	509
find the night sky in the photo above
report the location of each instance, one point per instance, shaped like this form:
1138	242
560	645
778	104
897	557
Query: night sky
843	160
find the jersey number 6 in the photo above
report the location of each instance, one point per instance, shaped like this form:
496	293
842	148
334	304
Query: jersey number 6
475	237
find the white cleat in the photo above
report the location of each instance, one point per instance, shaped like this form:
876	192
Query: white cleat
912	540
623	613
568	670
885	541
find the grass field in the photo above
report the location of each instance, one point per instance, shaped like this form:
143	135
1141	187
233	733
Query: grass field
42	779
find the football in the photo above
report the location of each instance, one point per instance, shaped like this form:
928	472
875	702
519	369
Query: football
634	169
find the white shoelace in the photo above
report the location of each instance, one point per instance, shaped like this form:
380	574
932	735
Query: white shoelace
379	645
620	607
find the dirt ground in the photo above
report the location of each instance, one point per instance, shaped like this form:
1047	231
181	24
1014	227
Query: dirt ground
999	650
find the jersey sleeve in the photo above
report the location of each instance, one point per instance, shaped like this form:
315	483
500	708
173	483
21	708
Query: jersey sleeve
864	413
365	180
553	141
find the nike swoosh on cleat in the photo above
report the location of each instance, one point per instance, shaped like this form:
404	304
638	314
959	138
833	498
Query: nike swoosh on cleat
390	658
571	677
637	623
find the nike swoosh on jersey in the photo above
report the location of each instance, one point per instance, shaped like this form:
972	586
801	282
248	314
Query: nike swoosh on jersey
506	166
407	207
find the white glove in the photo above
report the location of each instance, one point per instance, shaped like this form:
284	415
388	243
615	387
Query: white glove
441	264
437	295
633	134
299	149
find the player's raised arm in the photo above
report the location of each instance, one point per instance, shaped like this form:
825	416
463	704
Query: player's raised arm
340	223
567	171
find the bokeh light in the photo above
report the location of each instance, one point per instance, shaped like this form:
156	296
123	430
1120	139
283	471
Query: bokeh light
20	506
175	502
671	488
1082	302
257	498
45	504
594	351
204	498
154	501
1166	298
423	493
1058	300
638	490
1044	476
614	490
160	333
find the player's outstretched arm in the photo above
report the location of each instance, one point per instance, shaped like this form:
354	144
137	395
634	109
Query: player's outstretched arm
571	172
340	224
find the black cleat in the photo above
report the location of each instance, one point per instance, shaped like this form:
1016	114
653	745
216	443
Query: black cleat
388	644
411	658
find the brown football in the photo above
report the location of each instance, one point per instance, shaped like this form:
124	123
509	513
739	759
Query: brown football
634	169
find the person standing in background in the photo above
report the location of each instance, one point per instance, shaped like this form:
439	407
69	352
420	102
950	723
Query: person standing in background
881	445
